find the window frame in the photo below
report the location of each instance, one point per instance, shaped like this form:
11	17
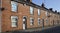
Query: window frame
31	10
39	21
14	22
16	5
31	21
39	12
46	13
46	20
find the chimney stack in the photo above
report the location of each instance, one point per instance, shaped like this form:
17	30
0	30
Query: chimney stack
43	5
55	11
51	9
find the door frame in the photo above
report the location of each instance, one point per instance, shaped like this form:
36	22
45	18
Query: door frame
25	23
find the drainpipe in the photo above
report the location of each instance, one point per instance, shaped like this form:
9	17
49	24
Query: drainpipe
0	16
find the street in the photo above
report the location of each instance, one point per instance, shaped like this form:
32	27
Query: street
50	30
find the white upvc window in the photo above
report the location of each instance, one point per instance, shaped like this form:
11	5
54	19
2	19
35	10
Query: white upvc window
31	10
46	21
38	21
38	11
14	21
14	6
31	21
46	13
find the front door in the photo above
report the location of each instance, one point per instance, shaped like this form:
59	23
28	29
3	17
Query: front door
24	22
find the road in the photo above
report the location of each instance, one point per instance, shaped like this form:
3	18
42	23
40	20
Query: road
50	30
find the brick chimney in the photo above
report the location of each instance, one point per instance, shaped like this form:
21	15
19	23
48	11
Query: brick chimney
55	11
42	5
51	9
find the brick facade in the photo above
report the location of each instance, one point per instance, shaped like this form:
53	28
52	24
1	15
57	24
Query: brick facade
24	10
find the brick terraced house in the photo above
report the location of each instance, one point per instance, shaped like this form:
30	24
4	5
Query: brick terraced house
24	14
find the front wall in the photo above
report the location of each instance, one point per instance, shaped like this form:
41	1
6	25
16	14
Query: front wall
7	13
23	10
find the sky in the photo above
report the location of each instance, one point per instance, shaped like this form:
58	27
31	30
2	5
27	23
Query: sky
55	4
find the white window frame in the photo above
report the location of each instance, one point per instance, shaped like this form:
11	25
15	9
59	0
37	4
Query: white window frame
31	10
39	21
31	21
46	13
14	6
46	20
39	12
13	22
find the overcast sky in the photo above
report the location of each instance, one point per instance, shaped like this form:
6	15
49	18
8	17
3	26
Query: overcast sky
55	4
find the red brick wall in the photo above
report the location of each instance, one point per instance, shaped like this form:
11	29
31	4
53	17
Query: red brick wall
23	10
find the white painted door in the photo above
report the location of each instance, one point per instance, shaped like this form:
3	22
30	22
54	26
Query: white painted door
24	22
23	26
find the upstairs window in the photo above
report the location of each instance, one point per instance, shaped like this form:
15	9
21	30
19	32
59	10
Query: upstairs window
31	10
38	11
14	20
14	6
46	13
31	21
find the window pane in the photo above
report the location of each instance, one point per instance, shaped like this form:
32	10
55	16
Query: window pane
38	11
13	6
38	21
31	21
14	20
14	24
31	10
46	13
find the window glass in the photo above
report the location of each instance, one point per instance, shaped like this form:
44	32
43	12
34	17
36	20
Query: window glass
31	21
46	13
38	21
13	6
38	11
14	20
31	10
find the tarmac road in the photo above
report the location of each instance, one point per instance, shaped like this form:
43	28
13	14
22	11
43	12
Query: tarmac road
50	30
